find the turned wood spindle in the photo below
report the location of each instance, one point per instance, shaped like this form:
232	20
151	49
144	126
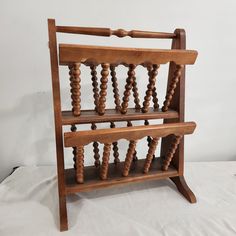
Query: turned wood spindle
172	86
95	86
149	139
115	147
135	158
154	98
75	150
95	148
103	88
136	94
75	88
128	87
115	87
149	157
80	165
171	152
152	73
105	161
129	158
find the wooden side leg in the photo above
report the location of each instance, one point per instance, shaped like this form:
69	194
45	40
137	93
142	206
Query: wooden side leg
63	213
183	188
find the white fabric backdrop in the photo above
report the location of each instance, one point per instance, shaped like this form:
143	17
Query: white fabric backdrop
29	205
26	118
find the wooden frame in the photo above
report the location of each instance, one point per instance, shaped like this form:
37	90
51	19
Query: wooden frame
106	174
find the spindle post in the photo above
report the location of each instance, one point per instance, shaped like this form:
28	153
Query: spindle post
129	157
75	88
136	94
115	147
95	86
171	89
149	157
105	161
171	152
152	73
96	148
128	87
135	158
103	88
115	87
75	151
80	165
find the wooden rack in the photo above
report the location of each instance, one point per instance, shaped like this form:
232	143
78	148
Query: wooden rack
106	172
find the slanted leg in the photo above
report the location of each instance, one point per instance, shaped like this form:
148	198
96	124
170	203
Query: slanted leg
183	188
63	213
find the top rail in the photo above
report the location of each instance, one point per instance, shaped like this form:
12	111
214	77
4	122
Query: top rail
107	32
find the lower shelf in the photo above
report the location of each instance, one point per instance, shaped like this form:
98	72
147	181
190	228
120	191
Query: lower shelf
92	180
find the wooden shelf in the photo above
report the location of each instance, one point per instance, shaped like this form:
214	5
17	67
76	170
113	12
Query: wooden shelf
92	180
91	116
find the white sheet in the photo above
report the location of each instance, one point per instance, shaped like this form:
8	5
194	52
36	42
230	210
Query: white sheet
29	205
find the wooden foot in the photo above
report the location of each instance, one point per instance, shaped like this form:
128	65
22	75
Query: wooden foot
183	188
63	213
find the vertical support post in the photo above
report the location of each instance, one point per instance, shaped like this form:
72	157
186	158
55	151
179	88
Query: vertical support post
103	88
58	124
177	103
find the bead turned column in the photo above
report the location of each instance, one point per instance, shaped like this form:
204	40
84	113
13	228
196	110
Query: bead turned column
171	152
105	161
75	89
103	89
171	89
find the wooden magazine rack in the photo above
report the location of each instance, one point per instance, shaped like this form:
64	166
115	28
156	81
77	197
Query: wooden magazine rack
105	173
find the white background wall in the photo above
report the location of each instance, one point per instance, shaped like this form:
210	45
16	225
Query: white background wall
26	117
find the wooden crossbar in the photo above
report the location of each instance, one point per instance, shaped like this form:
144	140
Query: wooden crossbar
107	32
71	53
82	138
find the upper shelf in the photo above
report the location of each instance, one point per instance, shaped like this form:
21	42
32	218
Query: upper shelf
70	53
